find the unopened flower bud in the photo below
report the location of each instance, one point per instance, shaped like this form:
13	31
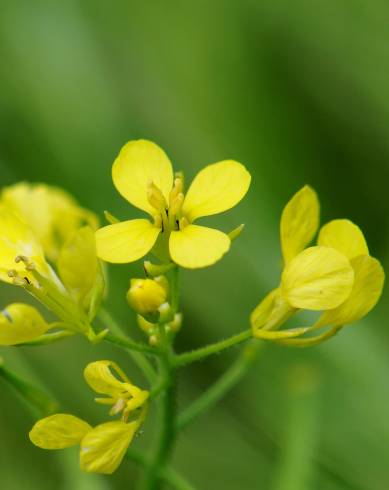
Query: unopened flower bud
145	325
145	296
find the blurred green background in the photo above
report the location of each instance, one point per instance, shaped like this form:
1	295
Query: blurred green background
298	92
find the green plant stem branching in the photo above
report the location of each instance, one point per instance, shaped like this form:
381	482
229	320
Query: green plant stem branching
221	387
200	354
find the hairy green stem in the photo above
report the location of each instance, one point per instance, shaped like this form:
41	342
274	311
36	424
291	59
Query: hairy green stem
216	348
167	424
221	387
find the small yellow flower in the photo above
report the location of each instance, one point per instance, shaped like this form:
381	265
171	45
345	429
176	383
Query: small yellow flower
145	296
106	378
143	174
337	276
21	323
52	214
103	447
73	292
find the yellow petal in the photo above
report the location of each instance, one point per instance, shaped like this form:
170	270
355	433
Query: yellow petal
126	241
345	237
198	246
319	278
104	447
215	189
78	266
138	163
100	377
58	431
51	213
299	222
21	323
16	238
367	289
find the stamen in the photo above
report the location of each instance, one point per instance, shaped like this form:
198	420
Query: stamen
176	190
30	266
16	279
176	204
155	197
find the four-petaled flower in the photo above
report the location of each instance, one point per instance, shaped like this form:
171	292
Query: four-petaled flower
337	276
143	174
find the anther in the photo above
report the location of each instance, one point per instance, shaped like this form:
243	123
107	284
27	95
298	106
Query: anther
176	190
30	266
176	204
155	197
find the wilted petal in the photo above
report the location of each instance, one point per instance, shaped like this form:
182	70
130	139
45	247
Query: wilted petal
104	447
100	377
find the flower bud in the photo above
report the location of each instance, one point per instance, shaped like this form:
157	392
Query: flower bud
145	296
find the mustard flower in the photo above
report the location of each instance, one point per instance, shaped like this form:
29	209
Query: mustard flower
143	175
337	276
103	447
72	292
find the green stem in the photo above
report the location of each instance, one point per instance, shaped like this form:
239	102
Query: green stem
220	388
167	425
140	360
203	352
176	480
130	344
168	474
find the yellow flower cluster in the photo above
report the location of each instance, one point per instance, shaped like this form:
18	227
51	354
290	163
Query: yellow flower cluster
51	247
337	276
103	447
47	246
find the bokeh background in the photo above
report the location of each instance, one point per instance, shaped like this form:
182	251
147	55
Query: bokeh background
298	92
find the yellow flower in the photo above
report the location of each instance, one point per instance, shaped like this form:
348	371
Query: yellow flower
52	214
21	323
143	174
74	292
337	276
102	448
106	378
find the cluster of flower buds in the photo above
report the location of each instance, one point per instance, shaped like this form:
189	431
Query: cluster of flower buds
150	299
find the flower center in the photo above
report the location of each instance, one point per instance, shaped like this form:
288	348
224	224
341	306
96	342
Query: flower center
168	214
